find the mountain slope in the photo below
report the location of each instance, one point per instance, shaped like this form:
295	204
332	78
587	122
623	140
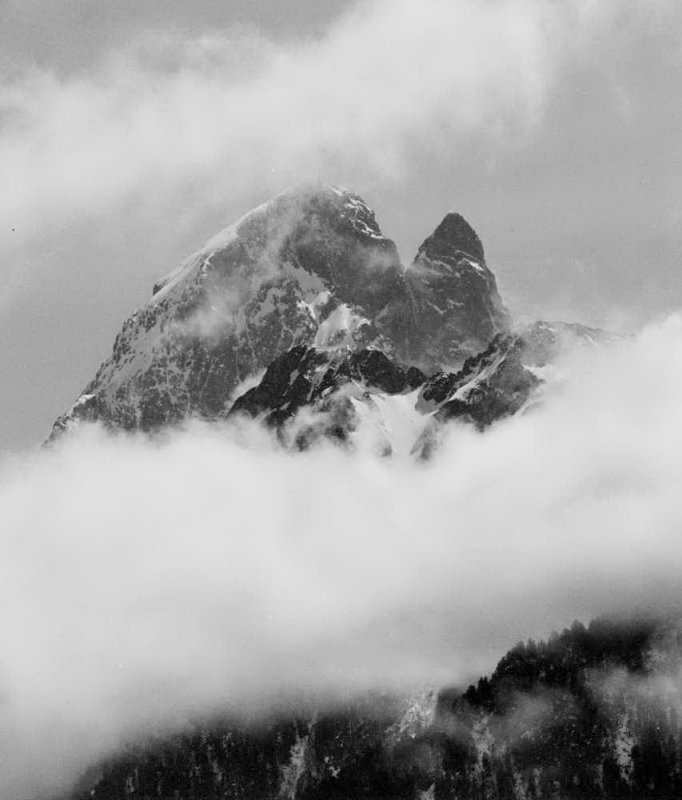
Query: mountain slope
307	393
455	297
591	713
309	267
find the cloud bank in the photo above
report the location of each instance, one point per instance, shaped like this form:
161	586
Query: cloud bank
145	583
199	114
209	111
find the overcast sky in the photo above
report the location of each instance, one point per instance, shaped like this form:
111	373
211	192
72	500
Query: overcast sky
130	132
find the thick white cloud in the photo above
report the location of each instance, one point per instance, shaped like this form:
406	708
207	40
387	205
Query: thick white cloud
143	583
167	112
140	583
170	111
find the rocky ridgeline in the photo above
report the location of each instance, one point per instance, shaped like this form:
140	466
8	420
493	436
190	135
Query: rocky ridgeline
307	290
454	297
345	388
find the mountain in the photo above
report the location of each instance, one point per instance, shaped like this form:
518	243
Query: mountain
309	267
340	389
346	390
297	269
306	297
591	713
455	297
301	316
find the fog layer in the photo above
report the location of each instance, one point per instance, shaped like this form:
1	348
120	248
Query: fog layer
144	583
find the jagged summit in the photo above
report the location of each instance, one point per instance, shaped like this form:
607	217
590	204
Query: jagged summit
302	216
309	267
454	236
459	307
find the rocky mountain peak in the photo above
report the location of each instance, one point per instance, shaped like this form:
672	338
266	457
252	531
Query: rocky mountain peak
459	307
309	226
454	236
309	267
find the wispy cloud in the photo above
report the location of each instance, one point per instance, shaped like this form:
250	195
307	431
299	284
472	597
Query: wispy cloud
226	111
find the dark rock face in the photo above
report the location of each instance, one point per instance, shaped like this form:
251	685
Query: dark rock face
498	382
585	715
499	394
491	385
455	298
304	375
311	267
452	239
329	384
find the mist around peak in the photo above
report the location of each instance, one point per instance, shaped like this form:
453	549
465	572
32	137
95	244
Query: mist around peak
147	583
